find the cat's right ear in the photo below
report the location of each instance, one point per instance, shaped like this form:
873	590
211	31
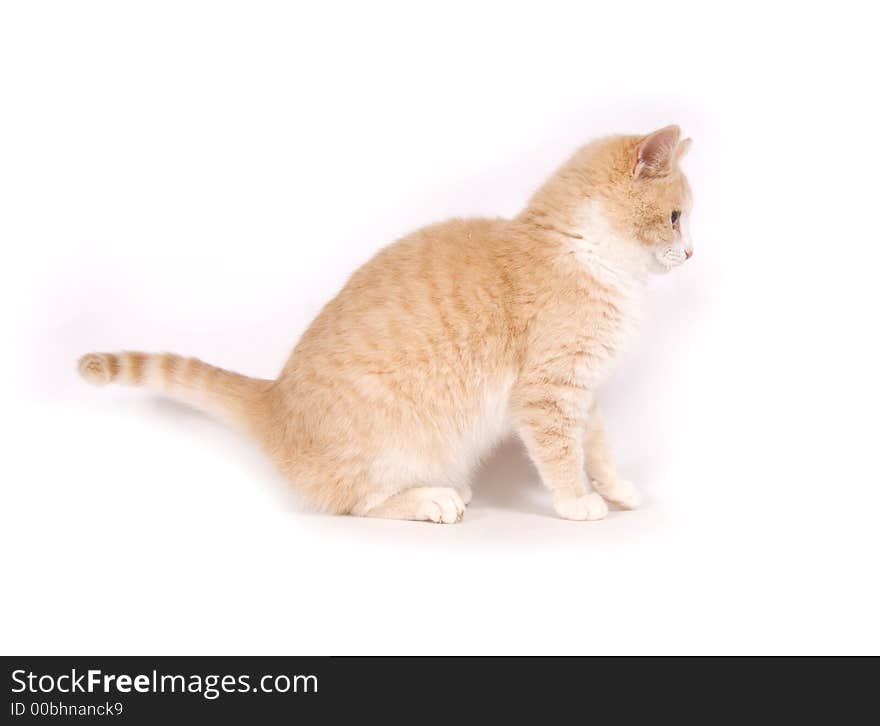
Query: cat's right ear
681	150
654	153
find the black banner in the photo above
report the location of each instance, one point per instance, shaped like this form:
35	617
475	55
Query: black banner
155	690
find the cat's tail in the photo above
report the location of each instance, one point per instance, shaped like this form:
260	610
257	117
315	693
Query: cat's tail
237	399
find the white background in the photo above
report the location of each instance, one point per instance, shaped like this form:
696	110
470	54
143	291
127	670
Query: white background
202	177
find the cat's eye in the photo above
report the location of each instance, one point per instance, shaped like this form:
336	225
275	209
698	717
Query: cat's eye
675	216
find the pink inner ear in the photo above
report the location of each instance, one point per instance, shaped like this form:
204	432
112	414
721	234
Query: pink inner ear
654	152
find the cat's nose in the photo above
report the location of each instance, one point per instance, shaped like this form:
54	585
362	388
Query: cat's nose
688	254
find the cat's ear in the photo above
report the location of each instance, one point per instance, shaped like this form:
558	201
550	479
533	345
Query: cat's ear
681	150
653	153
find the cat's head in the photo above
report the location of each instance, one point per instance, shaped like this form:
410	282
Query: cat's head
648	201
623	203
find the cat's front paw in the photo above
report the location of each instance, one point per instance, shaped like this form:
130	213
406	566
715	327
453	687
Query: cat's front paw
588	507
621	493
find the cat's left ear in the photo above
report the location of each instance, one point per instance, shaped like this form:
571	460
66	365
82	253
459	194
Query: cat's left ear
653	154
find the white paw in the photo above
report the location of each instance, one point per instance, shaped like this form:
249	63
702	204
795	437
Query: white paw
622	493
587	507
465	492
440	504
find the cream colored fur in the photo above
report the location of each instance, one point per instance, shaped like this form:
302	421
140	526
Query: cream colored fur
458	335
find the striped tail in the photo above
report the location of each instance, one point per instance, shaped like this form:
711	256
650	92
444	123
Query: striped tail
235	398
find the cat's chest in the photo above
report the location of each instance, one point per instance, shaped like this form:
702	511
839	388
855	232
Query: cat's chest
602	332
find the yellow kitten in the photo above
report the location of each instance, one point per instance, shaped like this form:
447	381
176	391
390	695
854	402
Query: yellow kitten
457	335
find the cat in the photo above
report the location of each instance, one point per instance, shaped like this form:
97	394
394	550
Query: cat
457	335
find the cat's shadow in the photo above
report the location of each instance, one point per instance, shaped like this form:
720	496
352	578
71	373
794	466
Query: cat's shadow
508	480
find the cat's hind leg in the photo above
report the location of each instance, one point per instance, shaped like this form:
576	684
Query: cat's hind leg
443	505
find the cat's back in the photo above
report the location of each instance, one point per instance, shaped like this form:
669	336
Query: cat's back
442	284
460	251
